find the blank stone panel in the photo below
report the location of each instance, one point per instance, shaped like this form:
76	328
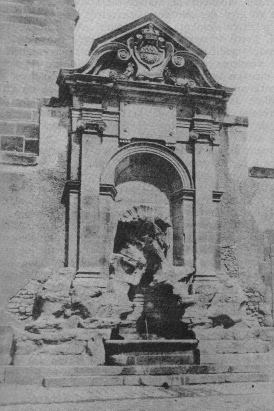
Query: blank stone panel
147	121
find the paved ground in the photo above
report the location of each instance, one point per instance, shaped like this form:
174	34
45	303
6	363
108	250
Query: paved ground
213	397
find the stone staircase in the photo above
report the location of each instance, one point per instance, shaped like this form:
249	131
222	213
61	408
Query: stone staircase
145	375
160	363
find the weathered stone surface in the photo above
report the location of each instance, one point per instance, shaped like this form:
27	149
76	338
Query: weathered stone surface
148	289
6	345
83	381
54	297
235	359
31	217
151	380
52	360
22	376
95	348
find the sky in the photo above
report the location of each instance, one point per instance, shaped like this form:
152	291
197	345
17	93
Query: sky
237	35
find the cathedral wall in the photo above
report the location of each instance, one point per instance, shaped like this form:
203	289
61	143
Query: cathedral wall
246	225
36	40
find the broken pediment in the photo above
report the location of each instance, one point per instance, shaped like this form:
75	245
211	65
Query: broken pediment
148	50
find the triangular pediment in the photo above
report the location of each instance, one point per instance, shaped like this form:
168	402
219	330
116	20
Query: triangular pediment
121	34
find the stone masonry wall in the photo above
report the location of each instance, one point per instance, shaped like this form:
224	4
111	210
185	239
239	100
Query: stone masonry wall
36	40
246	216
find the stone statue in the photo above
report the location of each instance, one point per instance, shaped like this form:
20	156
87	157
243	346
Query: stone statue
140	262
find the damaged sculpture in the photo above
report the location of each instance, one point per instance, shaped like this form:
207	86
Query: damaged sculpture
143	278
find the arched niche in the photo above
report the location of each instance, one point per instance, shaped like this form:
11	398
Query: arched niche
149	174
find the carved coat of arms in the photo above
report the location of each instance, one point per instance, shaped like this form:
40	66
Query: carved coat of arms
150	52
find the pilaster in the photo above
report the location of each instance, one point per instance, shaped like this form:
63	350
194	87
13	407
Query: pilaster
205	138
182	210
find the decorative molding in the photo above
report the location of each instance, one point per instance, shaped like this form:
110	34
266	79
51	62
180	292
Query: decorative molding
88	273
108	190
235	121
216	196
193	137
81	125
89	126
171	145
71	186
183	122
89	120
205	127
148	148
149	52
184	194
149	18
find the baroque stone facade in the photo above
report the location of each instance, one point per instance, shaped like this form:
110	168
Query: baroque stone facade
154	197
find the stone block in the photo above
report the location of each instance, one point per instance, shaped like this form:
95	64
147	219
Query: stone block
27	347
52	360
24	103
28	130
67	12
11	8
183	358
32	146
234	359
14	114
204	379
12	143
6	342
96	349
23	375
39	10
67	348
246	377
7	128
152	380
208	347
83	381
227	346
30	20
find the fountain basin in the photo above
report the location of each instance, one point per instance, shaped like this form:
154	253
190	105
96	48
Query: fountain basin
148	352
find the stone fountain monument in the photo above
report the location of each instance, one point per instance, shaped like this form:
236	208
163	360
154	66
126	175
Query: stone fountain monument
142	272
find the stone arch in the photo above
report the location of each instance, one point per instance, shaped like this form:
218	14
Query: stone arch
108	175
161	168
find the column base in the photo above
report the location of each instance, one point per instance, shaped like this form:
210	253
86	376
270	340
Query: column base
88	272
90	277
204	279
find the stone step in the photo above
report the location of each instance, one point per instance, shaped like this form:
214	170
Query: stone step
153	380
235	359
36	375
153	359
